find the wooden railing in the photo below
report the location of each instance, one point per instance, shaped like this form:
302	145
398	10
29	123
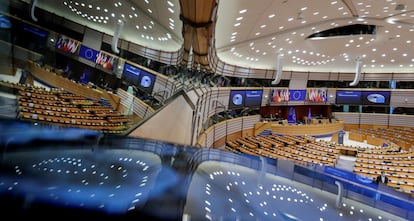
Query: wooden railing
308	129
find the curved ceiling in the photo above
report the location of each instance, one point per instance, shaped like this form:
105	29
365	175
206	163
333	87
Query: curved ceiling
251	34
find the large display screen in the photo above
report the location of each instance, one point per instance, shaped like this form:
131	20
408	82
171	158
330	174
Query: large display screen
131	74
376	97
297	95
67	45
278	95
253	98
5	22
245	98
236	99
317	95
36	31
348	97
88	53
146	81
106	60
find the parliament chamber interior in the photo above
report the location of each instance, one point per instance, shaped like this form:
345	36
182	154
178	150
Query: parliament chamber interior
207	110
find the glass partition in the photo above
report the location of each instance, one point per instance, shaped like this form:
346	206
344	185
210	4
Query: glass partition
84	173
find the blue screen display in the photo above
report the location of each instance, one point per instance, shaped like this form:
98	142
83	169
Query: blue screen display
348	97
131	69
131	73
376	97
237	99
88	53
35	31
5	22
253	98
297	95
146	81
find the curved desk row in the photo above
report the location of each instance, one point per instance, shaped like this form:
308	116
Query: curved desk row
308	129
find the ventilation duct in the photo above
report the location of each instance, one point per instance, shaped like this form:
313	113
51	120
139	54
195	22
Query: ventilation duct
34	4
357	72
279	69
117	33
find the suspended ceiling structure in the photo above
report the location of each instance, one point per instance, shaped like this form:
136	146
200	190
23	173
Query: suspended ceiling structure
252	34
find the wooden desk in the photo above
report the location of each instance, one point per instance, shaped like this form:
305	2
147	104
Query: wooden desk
308	129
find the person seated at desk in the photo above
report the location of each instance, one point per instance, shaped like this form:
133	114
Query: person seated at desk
382	178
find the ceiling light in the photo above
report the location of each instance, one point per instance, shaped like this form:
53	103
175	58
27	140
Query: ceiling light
400	7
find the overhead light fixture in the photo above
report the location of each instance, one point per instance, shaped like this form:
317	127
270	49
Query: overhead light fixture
300	15
400	7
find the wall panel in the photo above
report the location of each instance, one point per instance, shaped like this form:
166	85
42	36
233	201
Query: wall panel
377	119
348	118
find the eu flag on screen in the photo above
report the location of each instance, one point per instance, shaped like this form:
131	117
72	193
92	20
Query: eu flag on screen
88	53
297	95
